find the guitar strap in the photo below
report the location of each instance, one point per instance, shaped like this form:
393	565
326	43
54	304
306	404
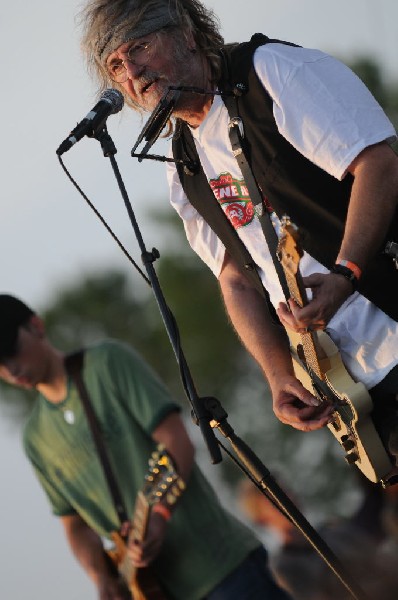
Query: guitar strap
236	135
74	366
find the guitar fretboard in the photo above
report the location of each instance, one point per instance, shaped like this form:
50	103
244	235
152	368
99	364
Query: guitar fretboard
309	339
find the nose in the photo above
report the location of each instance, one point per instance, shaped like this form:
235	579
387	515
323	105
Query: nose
133	70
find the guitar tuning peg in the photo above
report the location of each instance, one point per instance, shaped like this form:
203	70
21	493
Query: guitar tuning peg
171	499
176	491
181	484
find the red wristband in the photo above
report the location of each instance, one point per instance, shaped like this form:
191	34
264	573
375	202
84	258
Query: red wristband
161	509
352	266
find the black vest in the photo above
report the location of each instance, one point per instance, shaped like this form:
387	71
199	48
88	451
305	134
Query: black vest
314	200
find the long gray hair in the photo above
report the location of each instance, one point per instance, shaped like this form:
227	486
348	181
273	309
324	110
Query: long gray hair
102	19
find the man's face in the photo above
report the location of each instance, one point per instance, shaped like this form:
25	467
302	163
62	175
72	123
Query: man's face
153	63
26	367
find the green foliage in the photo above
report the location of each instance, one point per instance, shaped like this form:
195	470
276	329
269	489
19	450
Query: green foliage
369	71
111	304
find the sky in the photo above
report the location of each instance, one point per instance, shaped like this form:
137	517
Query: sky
49	236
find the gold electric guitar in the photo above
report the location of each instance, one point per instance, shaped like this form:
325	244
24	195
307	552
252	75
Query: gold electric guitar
318	365
160	481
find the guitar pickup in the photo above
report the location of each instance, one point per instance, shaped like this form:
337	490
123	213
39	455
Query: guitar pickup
347	443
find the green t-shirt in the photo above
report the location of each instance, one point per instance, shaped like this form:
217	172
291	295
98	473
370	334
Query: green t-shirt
204	543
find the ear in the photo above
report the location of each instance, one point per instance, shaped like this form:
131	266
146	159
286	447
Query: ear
36	326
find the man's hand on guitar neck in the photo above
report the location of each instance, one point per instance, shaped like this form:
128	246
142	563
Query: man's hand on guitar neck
328	294
294	405
143	553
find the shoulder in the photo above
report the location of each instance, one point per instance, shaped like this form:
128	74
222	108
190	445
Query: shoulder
111	363
283	69
289	54
110	352
116	363
277	63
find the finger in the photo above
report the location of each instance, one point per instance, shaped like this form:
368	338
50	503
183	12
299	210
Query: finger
313	280
309	315
299	319
135	553
303	414
283	310
295	391
287	318
313	424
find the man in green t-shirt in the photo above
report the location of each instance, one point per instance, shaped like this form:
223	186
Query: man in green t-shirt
196	549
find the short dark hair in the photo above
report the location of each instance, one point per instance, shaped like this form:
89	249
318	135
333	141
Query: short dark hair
13	314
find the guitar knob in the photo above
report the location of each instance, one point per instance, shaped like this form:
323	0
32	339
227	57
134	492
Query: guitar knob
347	443
351	458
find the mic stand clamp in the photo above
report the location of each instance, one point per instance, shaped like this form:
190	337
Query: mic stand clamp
107	144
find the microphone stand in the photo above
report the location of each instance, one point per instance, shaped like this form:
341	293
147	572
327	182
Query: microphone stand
208	413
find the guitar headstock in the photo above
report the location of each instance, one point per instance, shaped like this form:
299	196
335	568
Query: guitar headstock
161	479
289	251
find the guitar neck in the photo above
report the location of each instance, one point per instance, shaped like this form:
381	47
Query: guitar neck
309	340
137	532
140	518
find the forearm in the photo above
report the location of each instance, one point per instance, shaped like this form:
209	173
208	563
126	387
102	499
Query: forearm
372	206
264	339
87	547
267	342
171	434
373	201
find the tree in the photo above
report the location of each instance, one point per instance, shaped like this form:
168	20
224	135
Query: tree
107	304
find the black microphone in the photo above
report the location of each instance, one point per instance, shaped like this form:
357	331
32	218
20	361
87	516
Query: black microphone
110	102
157	121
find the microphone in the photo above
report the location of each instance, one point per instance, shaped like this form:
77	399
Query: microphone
110	102
157	121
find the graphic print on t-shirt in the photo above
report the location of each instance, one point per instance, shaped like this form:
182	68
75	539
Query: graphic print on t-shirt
233	196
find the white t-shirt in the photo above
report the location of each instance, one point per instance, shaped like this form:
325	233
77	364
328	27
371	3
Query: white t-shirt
329	116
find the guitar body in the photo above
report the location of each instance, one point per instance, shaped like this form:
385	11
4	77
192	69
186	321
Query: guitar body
141	583
352	426
318	365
